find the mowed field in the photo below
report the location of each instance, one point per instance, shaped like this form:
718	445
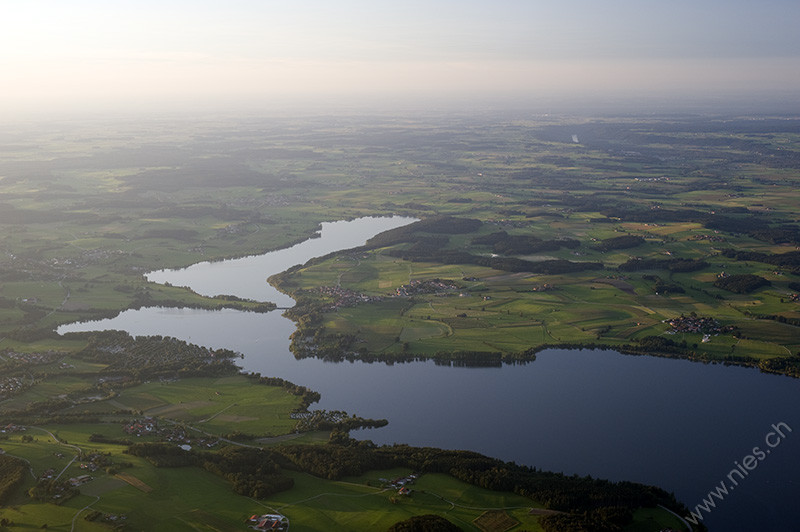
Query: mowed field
217	405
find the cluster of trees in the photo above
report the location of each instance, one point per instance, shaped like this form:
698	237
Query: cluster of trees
782	234
427	244
731	220
164	454
660	344
12	474
742	283
100	438
146	357
783	366
787	260
449	225
335	461
32	334
252	472
307	396
662	286
780	319
676	265
503	243
45	406
325	420
757	227
620	242
143	298
53	491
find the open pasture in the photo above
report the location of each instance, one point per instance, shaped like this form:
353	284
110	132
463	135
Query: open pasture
217	405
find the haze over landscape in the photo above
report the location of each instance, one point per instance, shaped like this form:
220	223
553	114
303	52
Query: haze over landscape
82	56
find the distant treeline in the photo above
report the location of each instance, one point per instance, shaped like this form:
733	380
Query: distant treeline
449	225
664	287
676	265
780	319
732	220
505	244
620	242
786	260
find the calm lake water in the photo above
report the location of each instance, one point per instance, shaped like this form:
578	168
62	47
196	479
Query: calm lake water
680	425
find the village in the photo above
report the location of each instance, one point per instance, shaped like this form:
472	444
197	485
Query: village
698	324
174	434
31	358
433	286
10	386
343	297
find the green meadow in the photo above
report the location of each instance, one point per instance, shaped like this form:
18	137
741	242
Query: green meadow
217	405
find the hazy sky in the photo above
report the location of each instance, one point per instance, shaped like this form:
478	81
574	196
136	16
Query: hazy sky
58	54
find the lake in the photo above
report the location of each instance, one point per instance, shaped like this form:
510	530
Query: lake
680	425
